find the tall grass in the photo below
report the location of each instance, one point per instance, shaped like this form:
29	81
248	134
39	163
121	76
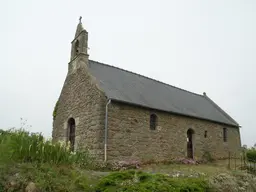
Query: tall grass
22	146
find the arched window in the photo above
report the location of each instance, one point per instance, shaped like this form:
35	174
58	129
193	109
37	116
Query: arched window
153	121
225	134
77	47
71	133
205	134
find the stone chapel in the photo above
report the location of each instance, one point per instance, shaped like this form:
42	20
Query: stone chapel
118	115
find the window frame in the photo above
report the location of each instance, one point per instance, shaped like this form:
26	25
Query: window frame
225	134
205	134
153	121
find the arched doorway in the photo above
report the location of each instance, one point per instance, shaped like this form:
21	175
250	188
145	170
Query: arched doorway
71	133
190	151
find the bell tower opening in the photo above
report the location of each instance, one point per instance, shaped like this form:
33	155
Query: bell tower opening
77	47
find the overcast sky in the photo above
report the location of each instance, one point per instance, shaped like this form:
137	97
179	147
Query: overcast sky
200	46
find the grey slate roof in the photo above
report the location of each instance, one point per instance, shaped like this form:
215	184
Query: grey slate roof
128	87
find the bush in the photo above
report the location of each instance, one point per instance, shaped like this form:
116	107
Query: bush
251	154
207	157
140	181
21	146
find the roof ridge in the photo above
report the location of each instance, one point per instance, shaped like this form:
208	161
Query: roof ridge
145	77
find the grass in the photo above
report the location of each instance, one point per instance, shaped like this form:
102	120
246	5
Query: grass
15	177
186	170
22	146
27	157
141	181
64	178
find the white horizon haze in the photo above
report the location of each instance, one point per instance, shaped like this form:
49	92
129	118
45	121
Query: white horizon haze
200	46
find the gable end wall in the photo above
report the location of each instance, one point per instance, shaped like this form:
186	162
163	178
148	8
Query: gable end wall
82	100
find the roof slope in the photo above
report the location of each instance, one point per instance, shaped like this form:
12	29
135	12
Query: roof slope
125	86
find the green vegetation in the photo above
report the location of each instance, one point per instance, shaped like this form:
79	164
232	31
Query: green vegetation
48	178
54	113
251	154
207	157
26	157
28	160
21	146
140	181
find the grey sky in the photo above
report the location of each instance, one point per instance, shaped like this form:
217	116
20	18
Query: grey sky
200	46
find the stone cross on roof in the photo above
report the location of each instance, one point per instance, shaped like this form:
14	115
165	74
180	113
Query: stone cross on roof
80	19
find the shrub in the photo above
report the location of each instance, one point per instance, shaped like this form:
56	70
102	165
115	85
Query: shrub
251	154
207	157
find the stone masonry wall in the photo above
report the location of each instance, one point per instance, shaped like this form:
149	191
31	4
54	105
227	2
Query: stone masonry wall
131	138
82	100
